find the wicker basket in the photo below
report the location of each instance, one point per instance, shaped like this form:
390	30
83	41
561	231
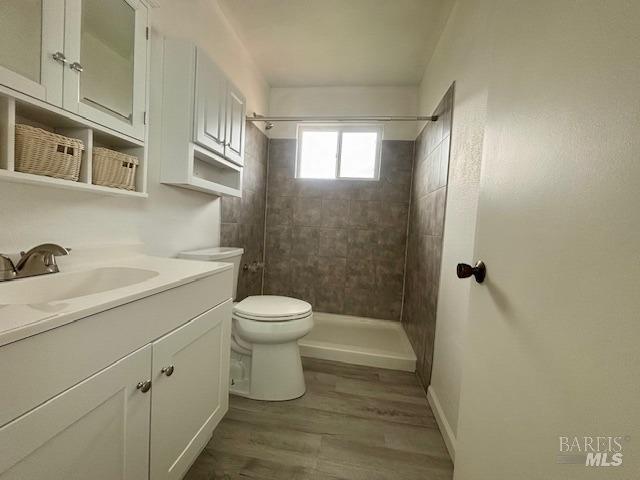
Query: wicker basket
44	153
114	169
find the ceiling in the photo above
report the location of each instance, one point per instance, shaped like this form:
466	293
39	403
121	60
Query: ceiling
339	42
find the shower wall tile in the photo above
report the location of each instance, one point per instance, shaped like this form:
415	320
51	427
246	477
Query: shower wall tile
346	240
243	218
424	243
304	241
332	242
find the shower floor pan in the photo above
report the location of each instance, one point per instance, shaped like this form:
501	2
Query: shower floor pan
359	341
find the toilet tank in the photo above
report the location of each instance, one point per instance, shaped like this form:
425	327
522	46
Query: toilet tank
218	254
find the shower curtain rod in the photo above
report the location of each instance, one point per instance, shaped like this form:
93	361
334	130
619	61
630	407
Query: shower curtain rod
340	118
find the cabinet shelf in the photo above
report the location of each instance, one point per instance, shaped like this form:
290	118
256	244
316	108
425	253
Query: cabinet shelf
30	179
18	108
210	173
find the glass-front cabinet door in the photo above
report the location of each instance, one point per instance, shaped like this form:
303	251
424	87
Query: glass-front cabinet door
32	56
106	48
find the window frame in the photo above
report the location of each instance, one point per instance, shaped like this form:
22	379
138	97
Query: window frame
340	128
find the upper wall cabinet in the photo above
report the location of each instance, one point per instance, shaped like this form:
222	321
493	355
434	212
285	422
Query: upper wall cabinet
87	56
106	47
203	128
32	47
236	110
210	105
219	111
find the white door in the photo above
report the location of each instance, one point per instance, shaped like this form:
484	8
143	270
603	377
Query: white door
210	108
98	429
32	47
236	111
190	390
106	49
554	332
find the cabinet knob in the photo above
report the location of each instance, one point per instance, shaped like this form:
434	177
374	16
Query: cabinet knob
479	271
77	67
145	386
59	57
168	371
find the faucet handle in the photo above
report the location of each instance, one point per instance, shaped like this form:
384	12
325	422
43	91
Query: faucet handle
7	269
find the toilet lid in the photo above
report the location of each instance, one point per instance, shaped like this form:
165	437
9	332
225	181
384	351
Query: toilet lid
272	308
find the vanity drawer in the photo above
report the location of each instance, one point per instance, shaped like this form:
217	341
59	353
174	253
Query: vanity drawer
37	368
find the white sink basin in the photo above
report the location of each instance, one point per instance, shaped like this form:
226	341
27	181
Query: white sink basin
63	286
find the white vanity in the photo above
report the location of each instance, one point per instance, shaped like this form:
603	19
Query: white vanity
115	368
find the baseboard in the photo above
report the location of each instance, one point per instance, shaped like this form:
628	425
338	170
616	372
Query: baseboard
443	424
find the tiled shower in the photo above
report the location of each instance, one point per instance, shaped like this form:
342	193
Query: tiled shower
348	247
339	244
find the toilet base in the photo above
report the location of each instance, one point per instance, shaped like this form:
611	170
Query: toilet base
272	372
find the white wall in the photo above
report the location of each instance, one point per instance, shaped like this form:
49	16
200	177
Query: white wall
461	56
171	219
552	343
344	101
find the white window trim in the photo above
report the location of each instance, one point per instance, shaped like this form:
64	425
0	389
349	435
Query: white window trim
340	128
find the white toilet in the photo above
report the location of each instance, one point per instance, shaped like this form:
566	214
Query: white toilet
265	360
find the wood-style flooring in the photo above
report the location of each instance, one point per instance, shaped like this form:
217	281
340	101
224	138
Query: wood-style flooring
354	423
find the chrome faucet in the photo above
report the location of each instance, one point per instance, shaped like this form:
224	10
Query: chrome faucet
40	260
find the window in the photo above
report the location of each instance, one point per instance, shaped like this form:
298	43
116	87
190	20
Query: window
338	151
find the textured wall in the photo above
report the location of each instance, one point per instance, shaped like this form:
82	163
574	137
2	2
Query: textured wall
462	55
340	245
243	218
424	250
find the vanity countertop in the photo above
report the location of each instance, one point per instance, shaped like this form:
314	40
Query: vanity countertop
21	317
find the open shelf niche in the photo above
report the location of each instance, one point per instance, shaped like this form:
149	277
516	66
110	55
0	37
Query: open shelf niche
18	110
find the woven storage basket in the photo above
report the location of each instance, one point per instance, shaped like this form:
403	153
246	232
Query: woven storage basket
44	153
114	169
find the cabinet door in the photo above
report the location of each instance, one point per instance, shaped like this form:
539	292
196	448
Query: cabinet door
98	429
106	47
31	39
236	111
210	104
189	399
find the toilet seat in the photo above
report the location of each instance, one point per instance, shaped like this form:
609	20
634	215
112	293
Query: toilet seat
271	308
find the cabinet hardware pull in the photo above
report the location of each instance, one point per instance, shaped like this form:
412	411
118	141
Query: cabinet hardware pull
77	67
168	371
145	386
59	57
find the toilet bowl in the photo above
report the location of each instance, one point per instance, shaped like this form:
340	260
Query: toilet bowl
265	359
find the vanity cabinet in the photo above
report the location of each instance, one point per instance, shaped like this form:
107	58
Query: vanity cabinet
87	56
97	429
139	389
190	394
